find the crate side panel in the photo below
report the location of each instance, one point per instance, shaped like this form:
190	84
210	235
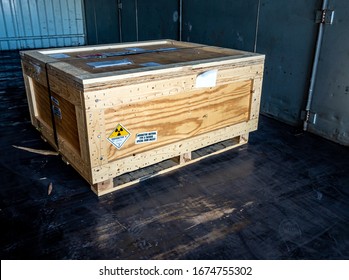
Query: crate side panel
256	97
35	69
65	121
43	107
228	71
179	116
31	99
63	86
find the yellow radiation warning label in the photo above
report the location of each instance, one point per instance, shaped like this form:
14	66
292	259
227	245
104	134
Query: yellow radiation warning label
119	136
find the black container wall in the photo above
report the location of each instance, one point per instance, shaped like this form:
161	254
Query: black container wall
111	21
287	35
221	23
101	20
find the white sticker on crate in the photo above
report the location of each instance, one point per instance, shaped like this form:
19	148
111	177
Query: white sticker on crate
206	79
146	137
119	136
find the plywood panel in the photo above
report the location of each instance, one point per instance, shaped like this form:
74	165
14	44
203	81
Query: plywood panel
179	116
65	121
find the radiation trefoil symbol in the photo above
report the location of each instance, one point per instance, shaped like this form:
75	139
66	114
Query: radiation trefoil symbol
119	136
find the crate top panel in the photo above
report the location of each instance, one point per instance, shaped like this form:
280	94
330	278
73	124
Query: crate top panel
90	62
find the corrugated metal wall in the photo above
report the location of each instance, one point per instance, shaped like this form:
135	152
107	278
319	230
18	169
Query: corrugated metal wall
41	23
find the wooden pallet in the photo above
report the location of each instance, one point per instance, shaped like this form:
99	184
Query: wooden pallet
134	177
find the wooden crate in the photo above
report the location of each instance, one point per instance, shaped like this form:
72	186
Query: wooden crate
111	110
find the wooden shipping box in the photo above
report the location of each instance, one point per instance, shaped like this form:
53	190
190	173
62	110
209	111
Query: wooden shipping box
115	109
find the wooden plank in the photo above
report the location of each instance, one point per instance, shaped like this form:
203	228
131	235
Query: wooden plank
102	187
184	68
105	47
130	91
36	70
65	121
136	61
256	97
47	132
37	57
65	87
97	143
31	99
83	136
41	102
70	156
184	158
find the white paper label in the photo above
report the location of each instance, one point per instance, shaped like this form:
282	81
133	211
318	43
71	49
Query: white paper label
146	137
206	79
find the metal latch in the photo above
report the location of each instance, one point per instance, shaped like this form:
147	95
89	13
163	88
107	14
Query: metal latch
324	16
309	117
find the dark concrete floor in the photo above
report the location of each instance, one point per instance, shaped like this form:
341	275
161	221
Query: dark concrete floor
282	196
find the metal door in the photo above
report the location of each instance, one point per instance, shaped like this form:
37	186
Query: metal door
287	35
102	21
158	19
110	21
223	23
330	102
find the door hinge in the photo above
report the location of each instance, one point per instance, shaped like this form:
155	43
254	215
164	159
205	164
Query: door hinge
309	117
119	5
324	16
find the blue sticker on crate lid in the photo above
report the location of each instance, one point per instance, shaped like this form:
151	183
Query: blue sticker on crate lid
150	64
166	49
94	55
136	50
58	55
101	64
111	54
